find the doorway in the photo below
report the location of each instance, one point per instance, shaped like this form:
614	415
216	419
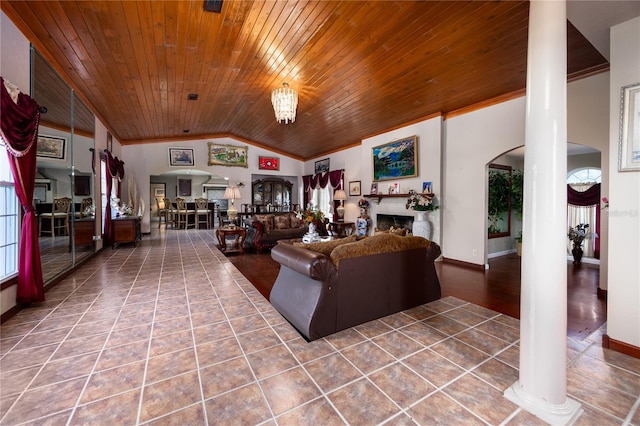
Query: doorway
157	191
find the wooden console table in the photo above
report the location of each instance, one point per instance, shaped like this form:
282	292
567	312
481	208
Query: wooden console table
126	229
238	233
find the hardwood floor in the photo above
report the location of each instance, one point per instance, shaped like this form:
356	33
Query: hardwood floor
497	288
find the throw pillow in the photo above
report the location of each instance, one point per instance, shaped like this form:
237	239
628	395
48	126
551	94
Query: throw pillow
282	221
295	222
266	220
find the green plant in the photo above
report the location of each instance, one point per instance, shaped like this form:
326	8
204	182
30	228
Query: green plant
498	201
517	192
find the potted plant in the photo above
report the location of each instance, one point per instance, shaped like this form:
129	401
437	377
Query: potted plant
577	236
519	244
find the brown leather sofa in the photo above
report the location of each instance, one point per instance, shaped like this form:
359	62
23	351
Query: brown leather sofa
323	288
267	229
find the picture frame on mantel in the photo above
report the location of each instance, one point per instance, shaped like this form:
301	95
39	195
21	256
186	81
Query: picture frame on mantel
629	143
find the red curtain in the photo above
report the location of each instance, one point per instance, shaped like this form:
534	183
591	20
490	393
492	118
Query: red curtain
20	134
590	197
115	169
335	178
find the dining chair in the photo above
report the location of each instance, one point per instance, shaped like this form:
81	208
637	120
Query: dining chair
58	217
84	204
184	214
222	220
161	212
169	212
202	209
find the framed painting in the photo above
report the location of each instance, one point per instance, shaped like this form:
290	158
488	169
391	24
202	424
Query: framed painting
109	142
396	160
51	147
354	188
268	163
374	189
228	155
184	187
322	166
181	157
629	143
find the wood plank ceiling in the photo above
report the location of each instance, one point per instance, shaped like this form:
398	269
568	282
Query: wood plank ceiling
360	67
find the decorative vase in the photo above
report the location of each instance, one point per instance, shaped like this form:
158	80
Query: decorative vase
577	254
421	227
312	234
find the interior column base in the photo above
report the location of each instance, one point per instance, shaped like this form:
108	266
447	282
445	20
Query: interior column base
564	414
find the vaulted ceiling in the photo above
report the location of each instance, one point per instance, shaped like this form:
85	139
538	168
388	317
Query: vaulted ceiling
360	67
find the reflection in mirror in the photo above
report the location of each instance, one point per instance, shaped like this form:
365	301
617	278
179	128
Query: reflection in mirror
499	201
63	153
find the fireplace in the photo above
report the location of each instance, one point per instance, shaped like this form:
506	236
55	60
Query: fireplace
386	221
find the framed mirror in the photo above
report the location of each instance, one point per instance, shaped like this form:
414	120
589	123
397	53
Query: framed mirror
499	201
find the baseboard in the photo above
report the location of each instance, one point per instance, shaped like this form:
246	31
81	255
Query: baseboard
622	347
10	313
501	253
464	264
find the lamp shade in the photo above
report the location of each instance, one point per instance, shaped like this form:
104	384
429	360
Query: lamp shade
232	193
340	195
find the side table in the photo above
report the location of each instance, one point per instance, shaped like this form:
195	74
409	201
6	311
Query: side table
342	229
238	233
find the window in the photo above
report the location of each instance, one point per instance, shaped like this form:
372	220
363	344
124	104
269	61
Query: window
9	220
587	175
321	200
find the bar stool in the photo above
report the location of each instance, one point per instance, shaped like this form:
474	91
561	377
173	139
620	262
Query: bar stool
184	213
202	209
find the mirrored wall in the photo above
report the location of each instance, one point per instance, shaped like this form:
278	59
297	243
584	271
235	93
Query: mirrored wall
65	181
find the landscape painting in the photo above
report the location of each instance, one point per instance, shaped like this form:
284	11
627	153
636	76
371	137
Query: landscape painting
397	159
228	155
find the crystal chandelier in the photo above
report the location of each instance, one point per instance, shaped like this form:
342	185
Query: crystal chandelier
285	102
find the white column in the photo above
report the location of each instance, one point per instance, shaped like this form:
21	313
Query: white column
542	385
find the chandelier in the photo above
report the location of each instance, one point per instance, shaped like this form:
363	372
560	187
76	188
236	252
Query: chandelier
285	102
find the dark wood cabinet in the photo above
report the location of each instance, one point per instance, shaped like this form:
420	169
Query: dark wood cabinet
83	230
271	191
126	230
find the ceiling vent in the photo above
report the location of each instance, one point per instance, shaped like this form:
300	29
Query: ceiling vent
192	97
212	6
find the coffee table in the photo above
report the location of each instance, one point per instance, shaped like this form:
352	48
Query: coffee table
238	233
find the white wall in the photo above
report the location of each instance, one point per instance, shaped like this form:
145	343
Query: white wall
142	162
623	306
472	141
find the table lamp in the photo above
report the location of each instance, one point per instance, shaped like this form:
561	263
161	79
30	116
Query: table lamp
232	193
340	195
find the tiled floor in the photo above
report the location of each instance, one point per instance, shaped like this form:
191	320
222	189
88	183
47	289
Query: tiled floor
171	333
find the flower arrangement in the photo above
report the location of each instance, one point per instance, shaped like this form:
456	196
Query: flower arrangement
578	234
120	208
311	216
421	202
89	211
363	203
